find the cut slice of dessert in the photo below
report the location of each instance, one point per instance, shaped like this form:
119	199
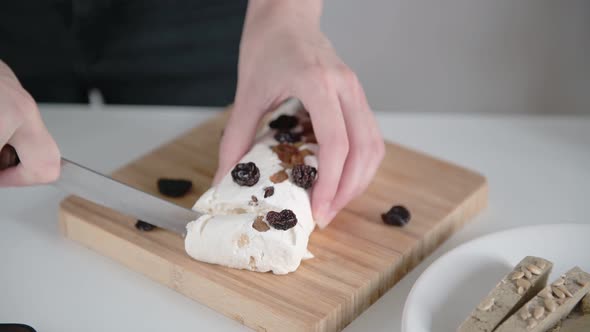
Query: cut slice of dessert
517	287
551	305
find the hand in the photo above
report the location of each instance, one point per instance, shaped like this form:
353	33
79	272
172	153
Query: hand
22	127
284	54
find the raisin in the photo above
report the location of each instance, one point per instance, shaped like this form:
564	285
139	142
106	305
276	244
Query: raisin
269	191
174	187
284	122
287	137
281	220
246	174
279	176
286	152
144	226
397	216
253	201
304	175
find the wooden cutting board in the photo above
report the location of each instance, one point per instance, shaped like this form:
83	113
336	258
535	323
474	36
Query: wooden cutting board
358	258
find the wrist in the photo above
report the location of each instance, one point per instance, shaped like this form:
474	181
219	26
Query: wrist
297	11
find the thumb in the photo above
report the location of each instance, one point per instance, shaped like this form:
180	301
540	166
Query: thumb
238	135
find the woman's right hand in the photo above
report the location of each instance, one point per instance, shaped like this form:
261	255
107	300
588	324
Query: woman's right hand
22	127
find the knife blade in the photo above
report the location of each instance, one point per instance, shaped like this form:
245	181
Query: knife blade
101	189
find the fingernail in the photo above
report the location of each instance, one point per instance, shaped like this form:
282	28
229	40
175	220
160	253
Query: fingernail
321	217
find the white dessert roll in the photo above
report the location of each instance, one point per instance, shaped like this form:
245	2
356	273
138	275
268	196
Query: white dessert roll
225	234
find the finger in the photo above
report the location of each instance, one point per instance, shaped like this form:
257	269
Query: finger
38	154
330	130
365	151
239	133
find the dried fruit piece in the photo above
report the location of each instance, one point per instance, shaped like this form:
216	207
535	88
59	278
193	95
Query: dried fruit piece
269	191
397	216
287	137
260	225
253	201
174	187
279	176
306	152
144	226
304	175
246	174
286	152
284	122
282	220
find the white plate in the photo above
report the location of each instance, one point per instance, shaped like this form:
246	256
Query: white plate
453	285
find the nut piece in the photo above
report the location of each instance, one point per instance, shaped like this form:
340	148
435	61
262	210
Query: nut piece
565	290
541	264
260	225
558	292
517	275
538	312
487	305
527	273
559	282
243	241
550	304
546	294
520	290
524	313
531	323
534	269
523	283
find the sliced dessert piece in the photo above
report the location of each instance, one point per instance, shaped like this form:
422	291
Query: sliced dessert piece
585	305
576	323
516	288
552	304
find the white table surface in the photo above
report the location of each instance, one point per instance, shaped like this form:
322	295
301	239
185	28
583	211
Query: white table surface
538	170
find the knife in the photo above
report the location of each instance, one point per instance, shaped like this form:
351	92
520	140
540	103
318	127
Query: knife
101	189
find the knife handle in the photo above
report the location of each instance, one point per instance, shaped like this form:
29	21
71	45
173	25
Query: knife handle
8	157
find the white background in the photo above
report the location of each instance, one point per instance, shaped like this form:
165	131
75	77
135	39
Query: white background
467	55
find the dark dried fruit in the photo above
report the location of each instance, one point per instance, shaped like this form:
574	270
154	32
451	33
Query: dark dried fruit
304	175
287	137
397	216
246	174
279	176
174	187
269	191
260	225
281	220
144	226
253	201
284	122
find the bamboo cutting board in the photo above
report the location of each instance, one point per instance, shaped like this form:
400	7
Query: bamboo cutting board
358	258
